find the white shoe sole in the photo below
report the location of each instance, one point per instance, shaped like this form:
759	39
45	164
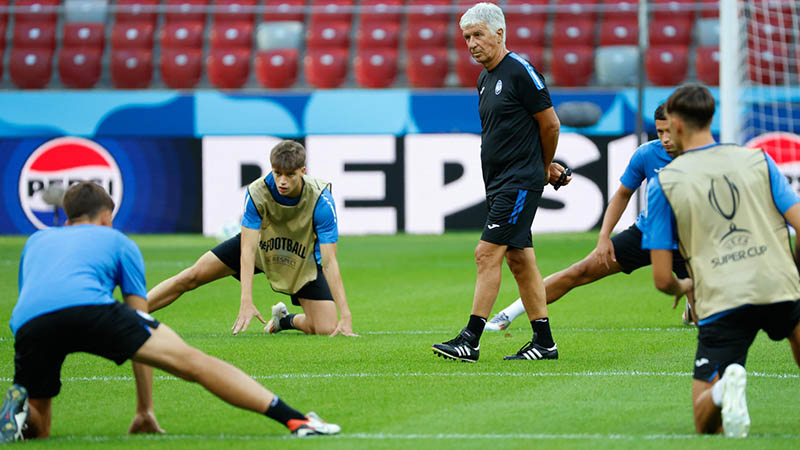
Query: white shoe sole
735	418
278	312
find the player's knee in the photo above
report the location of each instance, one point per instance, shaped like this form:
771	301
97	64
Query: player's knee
189	279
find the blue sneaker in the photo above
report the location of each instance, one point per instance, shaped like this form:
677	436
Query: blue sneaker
14	414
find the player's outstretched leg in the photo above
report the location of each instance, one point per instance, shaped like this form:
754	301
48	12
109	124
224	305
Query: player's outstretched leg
735	417
207	269
502	320
167	351
13	414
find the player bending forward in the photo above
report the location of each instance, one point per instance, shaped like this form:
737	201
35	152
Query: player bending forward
727	207
82	316
289	232
623	252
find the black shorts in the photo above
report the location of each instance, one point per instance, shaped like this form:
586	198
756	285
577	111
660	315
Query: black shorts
114	331
511	214
230	252
631	256
726	340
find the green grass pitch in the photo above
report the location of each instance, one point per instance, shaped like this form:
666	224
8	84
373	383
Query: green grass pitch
623	380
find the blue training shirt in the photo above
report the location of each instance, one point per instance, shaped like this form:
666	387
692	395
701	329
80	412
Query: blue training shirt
73	266
325	224
645	164
661	233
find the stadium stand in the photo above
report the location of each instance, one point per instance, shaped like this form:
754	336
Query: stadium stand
416	43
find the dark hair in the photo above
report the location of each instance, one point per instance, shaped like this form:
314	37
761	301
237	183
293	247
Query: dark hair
659	114
288	155
692	103
86	199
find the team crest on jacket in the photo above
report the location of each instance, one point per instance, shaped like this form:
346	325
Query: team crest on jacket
498	87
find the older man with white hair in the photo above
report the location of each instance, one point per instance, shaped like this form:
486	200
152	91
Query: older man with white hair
518	142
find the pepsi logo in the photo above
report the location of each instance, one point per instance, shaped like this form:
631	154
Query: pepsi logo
65	161
784	148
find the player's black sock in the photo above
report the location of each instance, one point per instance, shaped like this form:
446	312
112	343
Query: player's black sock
476	325
283	413
541	332
287	322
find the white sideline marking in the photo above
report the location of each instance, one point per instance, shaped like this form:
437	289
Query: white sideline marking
283	376
415	436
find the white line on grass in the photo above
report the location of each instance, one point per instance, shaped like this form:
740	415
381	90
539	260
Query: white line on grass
417	436
283	376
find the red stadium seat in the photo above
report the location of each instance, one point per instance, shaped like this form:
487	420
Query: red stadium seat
3	15
428	11
132	35
235	10
534	55
131	68
619	32
524	34
35	35
572	32
2	37
706	61
526	11
709	9
181	68
670	32
575	10
325	11
182	35
773	26
228	68
186	10
86	35
326	68
377	35
30	68
376	68
284	10
572	66
79	68
680	10
464	5
624	10
381	11
426	35
768	62
36	11
277	69
427	68
231	35
137	11
666	65
467	69
328	35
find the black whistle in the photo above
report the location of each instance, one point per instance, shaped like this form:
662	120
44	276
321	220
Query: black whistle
563	178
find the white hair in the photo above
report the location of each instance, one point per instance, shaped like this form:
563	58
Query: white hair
485	13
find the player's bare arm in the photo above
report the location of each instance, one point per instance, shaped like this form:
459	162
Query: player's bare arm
604	252
549	128
144	421
792	216
663	277
247	309
330	267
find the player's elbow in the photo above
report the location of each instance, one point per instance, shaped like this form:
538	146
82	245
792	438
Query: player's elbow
663	282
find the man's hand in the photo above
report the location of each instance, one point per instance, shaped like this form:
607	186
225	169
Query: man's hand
247	311
344	327
686	286
605	251
556	177
145	423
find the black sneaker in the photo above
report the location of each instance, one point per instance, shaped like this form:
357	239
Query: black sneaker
532	351
459	348
14	414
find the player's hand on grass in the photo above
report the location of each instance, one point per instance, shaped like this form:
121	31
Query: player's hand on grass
605	251
145	423
554	174
344	327
247	310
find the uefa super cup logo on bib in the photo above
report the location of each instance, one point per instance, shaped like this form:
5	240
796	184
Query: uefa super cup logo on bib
63	162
